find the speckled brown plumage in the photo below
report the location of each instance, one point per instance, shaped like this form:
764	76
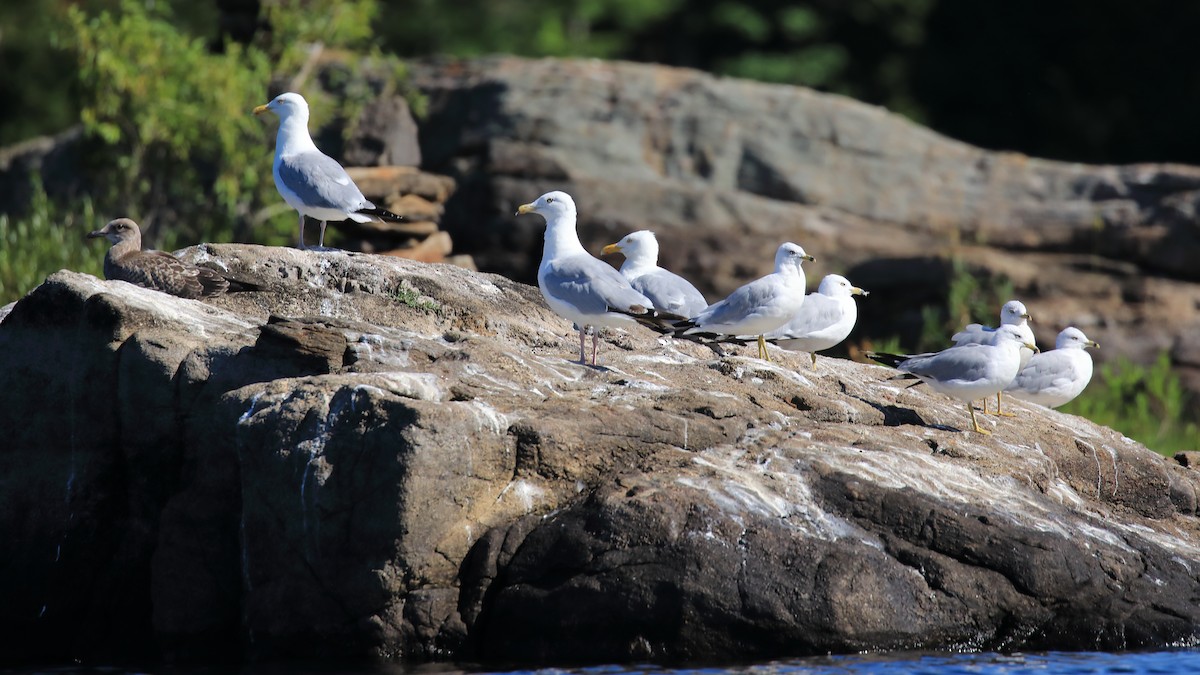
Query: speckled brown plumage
126	261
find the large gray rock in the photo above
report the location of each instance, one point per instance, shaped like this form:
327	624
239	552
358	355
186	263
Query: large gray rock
724	170
378	458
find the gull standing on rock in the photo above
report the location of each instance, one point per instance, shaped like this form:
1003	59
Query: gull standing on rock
1014	314
668	291
159	270
576	285
1056	377
760	306
825	319
967	372
309	180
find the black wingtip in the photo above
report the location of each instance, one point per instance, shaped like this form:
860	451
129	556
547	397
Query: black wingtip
886	359
382	214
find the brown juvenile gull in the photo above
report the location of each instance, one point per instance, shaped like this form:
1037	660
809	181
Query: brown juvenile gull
161	271
310	181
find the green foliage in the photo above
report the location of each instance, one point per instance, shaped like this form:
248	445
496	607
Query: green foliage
1145	403
596	28
173	114
969	299
296	24
175	118
407	295
47	239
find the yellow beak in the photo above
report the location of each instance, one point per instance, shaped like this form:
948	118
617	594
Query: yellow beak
855	290
1093	343
1027	318
809	258
1034	348
525	208
261	109
611	248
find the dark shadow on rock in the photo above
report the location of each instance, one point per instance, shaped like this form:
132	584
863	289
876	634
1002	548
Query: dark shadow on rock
895	416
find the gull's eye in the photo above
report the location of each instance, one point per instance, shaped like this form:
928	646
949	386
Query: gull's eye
549	200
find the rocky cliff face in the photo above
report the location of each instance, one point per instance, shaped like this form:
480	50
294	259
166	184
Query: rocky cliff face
724	170
379	458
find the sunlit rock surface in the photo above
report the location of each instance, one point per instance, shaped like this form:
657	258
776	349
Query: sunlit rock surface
378	458
725	169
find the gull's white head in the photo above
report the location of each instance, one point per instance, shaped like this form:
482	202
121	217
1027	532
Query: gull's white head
791	256
837	286
1013	313
286	105
551	206
638	247
1010	334
1073	338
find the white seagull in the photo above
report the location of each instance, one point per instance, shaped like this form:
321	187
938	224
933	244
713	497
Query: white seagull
1014	314
310	181
967	372
576	285
1056	377
760	306
825	319
668	291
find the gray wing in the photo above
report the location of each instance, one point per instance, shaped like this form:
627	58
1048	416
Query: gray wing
975	333
670	293
1043	372
320	182
746	301
589	285
966	363
157	270
817	313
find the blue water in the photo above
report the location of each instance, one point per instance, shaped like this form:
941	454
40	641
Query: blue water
1047	663
1051	663
1175	661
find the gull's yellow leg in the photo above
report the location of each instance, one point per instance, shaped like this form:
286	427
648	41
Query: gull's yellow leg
978	429
998	395
814	358
762	349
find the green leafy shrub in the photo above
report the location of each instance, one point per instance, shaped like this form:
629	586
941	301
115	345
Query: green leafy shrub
1146	403
175	121
174	114
171	141
969	299
47	239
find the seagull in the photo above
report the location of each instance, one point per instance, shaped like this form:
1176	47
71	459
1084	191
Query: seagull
1013	313
161	271
1056	377
825	319
760	306
309	180
668	291
967	372
576	285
